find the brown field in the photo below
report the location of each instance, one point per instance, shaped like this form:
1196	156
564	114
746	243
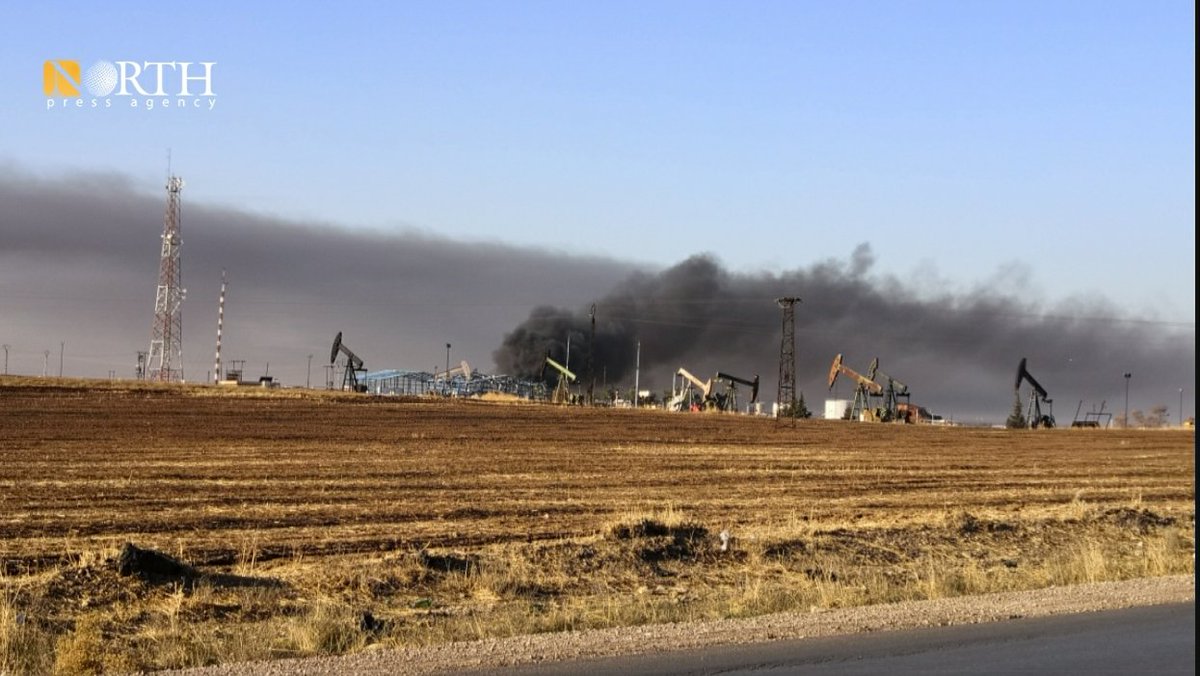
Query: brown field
459	519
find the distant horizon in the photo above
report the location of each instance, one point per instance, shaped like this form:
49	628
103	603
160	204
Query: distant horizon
1112	423
291	283
951	187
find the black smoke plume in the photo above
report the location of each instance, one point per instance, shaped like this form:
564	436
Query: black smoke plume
958	352
79	263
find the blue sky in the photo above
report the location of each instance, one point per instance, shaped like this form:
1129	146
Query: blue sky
957	138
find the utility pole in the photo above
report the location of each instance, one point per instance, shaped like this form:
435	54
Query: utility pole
308	377
637	373
1181	407
61	346
590	365
6	346
1128	375
45	362
447	358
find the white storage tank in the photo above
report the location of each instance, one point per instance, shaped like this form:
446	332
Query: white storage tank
836	408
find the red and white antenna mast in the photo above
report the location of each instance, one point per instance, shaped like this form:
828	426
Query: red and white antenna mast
165	362
220	323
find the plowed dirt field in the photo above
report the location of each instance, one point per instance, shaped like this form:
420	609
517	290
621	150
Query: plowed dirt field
375	503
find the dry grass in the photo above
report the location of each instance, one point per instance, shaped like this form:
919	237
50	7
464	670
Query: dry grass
323	523
25	646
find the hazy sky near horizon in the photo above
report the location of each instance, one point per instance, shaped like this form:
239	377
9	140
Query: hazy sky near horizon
956	138
482	159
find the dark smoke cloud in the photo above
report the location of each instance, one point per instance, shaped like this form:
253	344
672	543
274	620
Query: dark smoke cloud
79	264
79	261
957	352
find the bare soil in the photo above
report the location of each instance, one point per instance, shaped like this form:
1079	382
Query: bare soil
448	519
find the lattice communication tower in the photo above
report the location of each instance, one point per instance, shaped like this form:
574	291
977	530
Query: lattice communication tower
165	361
786	397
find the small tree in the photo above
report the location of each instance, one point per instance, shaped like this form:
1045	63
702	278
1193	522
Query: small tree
798	409
1155	417
802	408
1016	419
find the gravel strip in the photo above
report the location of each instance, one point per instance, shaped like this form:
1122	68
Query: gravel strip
492	654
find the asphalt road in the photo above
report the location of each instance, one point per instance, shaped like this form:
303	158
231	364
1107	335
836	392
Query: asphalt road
1143	640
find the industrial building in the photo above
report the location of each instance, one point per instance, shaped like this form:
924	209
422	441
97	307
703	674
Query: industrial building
470	384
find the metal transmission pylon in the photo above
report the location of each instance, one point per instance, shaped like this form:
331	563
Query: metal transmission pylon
165	361
786	397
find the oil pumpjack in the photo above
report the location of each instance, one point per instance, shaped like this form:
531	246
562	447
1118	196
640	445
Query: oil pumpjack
1037	396
354	365
892	392
864	389
562	391
685	399
728	401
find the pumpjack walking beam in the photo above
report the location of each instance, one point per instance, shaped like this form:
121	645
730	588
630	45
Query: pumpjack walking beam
354	365
864	387
893	391
1037	397
562	391
731	396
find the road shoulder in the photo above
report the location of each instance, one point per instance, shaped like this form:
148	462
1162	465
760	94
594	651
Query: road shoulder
491	654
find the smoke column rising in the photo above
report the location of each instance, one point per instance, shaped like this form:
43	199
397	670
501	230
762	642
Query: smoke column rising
957	352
